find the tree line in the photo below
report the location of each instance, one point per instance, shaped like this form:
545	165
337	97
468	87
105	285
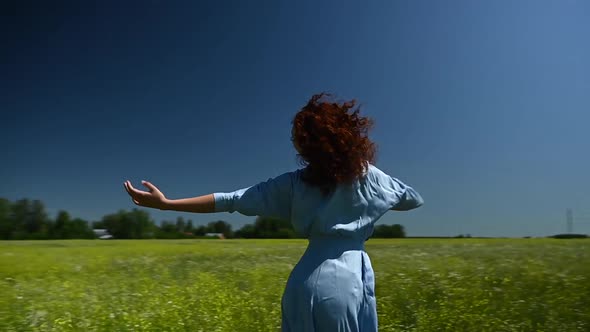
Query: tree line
27	219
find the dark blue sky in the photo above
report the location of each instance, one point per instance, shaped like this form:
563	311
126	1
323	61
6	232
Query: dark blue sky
482	106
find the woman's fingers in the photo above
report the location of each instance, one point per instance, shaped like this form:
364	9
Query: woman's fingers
150	186
130	190
127	185
134	193
133	190
149	198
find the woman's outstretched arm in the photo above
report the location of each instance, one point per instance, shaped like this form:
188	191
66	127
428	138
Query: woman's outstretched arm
154	198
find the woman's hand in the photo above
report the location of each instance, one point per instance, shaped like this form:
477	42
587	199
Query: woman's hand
152	198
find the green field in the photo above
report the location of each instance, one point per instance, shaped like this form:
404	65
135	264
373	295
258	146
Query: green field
236	285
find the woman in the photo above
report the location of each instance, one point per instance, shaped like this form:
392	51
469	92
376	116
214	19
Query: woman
334	201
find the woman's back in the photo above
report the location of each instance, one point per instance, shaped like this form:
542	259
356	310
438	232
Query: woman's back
350	210
332	286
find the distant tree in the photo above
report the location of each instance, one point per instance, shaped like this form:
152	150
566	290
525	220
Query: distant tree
116	226
135	224
200	230
180	224
285	233
247	232
143	225
268	228
28	220
389	231
19	217
168	230
569	236
6	222
462	236
220	226
23	219
274	228
59	226
188	228
98	225
78	229
167	226
38	222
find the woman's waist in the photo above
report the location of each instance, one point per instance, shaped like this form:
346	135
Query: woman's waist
340	258
337	243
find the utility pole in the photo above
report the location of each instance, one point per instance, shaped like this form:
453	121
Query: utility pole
569	221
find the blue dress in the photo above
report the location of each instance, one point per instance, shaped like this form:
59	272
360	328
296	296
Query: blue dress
332	288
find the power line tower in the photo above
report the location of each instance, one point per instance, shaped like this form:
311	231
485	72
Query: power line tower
582	219
569	221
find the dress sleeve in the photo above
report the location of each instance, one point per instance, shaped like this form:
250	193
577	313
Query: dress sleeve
395	194
271	198
404	197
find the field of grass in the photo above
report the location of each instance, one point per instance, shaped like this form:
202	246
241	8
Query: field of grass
236	285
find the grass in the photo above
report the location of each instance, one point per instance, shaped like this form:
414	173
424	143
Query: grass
236	285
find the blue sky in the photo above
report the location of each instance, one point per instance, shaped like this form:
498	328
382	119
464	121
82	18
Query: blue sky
482	106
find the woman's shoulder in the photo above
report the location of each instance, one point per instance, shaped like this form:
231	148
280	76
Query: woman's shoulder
374	172
292	178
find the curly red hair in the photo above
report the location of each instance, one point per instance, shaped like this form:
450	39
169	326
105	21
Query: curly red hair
332	141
